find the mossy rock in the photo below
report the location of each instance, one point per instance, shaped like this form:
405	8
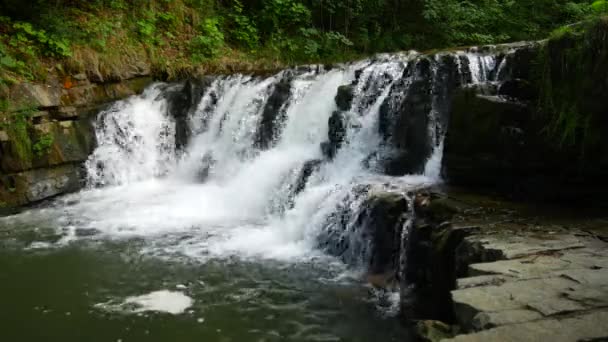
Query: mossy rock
433	331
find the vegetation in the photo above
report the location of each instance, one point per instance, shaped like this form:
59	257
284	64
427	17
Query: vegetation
573	68
43	145
67	36
17	126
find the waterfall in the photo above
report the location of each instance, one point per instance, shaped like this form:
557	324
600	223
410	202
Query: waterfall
283	167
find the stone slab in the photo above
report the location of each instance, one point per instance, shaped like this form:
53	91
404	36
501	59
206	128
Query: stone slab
586	326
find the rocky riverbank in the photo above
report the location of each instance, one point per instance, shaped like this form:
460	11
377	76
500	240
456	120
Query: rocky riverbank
517	272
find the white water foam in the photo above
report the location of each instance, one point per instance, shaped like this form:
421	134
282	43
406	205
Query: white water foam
172	302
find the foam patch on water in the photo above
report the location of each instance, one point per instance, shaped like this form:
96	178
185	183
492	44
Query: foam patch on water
172	302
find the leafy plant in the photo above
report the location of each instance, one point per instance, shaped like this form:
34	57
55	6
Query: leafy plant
600	6
209	42
32	38
242	29
43	145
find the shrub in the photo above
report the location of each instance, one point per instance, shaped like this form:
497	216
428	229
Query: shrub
209	42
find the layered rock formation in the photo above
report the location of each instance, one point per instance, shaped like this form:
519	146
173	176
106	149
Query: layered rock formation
46	133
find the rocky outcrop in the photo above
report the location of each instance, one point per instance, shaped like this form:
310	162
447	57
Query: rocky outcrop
273	113
512	277
182	99
46	133
413	116
537	133
373	238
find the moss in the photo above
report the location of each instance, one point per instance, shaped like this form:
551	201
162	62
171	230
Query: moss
17	127
572	67
43	145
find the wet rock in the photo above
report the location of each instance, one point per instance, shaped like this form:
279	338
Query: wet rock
373	238
35	185
498	124
182	99
206	166
273	114
517	90
433	331
307	170
380	224
344	97
336	135
422	96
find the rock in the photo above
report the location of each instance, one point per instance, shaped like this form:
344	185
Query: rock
514	246
344	97
207	163
518	90
336	135
589	326
488	320
36	185
374	238
542	295
28	95
273	114
404	124
309	167
406	113
433	331
64	113
181	100
498	124
382	223
80	77
440	209
483	280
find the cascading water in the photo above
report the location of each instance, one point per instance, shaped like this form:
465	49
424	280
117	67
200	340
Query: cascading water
278	168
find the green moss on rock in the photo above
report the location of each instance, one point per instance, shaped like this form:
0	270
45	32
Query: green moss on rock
572	81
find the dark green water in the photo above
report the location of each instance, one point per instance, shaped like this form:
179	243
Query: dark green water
51	294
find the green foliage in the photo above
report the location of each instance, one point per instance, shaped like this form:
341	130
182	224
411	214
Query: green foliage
33	33
599	7
31	40
146	28
209	42
17	128
43	145
573	67
242	29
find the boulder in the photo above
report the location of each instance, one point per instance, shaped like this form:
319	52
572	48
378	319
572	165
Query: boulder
344	97
35	185
273	114
370	236
182	99
335	135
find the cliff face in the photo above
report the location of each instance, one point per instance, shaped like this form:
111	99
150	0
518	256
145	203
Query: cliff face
46	133
537	132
